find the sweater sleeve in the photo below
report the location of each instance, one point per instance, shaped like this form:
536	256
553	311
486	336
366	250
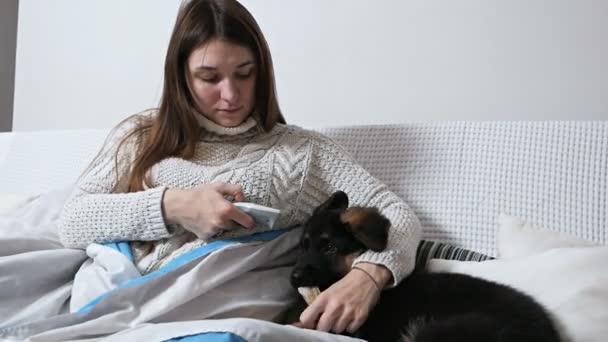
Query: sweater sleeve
332	168
99	211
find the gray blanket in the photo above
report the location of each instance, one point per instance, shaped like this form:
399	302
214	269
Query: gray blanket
235	289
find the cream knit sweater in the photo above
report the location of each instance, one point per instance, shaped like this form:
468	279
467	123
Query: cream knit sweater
288	168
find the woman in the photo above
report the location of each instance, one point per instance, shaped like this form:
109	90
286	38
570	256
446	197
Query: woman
166	178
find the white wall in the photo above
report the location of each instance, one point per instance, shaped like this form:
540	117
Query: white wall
89	64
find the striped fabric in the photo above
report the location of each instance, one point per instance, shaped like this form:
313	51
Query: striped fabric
428	250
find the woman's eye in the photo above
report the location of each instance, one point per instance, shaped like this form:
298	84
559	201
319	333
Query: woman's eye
244	76
212	79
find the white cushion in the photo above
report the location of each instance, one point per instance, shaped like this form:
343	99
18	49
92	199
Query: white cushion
517	238
571	281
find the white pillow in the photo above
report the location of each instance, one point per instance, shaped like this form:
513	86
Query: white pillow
571	282
517	238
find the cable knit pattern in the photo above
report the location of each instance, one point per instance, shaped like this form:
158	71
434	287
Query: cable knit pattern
288	168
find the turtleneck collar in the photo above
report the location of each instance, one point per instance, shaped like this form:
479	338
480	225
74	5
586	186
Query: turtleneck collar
212	127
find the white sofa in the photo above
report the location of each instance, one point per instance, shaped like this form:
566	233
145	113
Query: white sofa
458	176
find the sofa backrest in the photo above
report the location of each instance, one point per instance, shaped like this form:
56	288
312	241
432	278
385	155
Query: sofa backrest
458	176
39	161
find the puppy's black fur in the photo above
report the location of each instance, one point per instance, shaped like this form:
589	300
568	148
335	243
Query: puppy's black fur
424	306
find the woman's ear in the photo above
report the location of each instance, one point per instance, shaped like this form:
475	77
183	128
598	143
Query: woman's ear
338	200
368	226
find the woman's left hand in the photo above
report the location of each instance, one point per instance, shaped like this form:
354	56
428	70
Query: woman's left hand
346	304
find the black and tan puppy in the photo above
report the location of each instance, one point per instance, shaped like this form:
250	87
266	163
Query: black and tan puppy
424	306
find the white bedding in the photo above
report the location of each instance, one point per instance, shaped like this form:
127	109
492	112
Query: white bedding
567	275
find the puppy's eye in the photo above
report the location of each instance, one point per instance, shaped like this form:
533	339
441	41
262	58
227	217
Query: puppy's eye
327	247
330	249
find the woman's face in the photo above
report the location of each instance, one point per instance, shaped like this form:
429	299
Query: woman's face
222	76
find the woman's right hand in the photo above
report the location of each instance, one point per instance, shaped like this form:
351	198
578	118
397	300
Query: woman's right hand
204	210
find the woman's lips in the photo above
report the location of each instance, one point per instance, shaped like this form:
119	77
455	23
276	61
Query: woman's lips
230	110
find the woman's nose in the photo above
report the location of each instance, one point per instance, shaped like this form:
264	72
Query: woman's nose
229	91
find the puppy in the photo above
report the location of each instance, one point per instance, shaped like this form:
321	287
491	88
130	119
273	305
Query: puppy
424	306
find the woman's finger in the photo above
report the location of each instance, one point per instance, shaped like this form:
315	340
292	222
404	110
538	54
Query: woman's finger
239	197
355	325
311	314
237	215
329	318
342	323
229	189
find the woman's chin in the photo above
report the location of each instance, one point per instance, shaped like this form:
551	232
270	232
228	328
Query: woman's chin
230	121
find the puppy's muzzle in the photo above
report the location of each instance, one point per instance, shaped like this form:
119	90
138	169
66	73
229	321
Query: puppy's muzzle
311	270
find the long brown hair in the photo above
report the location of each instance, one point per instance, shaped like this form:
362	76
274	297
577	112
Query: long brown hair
174	130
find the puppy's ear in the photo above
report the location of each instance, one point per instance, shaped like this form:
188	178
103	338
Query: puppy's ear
368	226
338	200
